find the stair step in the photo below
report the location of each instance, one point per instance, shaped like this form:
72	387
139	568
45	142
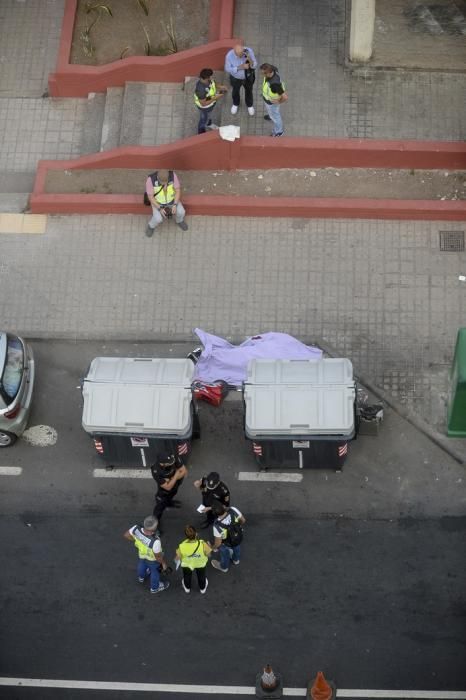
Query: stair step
16	181
94	117
110	135
134	102
13	202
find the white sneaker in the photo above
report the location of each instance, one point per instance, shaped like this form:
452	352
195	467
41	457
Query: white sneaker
251	111
186	590
213	127
234	109
203	590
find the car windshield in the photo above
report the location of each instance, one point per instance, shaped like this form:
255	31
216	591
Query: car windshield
13	370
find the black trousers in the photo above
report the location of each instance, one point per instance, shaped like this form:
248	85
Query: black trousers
236	85
188	574
164	498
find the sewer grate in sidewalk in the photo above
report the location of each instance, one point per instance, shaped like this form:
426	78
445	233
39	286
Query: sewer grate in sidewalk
452	241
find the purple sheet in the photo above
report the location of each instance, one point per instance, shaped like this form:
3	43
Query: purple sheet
222	360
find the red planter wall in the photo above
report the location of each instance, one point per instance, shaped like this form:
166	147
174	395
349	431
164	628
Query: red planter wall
71	80
210	152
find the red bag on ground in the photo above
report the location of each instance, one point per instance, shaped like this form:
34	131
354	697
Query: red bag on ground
213	393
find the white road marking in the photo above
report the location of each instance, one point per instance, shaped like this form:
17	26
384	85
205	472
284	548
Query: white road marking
225	689
122	474
270	476
402	694
10	471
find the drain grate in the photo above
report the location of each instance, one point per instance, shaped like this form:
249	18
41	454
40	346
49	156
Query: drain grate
452	241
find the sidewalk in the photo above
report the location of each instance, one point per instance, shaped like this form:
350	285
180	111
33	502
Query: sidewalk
379	292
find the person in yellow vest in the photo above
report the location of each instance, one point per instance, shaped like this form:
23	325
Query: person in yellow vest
273	94
206	95
163	191
150	555
193	554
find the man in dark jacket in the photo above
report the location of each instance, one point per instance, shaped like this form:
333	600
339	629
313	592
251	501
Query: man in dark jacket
168	472
213	491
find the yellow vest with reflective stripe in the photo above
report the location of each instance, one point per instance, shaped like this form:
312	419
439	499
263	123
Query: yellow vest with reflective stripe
267	93
210	93
142	542
163	197
192	554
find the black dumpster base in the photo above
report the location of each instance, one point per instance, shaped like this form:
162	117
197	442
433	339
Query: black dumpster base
300	454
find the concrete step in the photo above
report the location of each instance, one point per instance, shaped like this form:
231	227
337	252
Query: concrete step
111	126
92	125
15	188
14	202
132	114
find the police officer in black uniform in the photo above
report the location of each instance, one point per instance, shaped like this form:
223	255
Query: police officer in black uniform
213	491
168	472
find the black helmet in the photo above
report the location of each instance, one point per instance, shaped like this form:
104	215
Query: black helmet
212	480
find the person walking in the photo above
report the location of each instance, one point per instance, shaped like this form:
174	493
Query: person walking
168	472
163	191
150	556
240	64
213	491
206	96
193	554
228	535
273	94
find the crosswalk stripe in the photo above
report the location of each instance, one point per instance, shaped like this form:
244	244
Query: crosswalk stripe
228	689
10	471
270	476
122	474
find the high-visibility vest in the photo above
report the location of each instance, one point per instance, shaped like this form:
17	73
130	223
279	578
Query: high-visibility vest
144	544
267	93
160	195
210	93
192	554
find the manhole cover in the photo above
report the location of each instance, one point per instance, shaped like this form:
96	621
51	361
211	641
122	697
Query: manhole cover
452	241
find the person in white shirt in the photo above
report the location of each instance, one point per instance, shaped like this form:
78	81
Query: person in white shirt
240	64
150	556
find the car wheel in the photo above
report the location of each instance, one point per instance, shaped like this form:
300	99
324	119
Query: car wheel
7	439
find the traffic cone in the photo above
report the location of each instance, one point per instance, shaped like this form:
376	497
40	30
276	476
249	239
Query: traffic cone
321	689
269	684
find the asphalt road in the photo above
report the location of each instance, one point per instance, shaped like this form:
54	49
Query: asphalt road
359	574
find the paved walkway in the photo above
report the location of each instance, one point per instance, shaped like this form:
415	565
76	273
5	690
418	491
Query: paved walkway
307	44
380	292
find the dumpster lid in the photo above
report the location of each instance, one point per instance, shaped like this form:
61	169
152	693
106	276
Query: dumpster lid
141	370
326	371
137	408
305	410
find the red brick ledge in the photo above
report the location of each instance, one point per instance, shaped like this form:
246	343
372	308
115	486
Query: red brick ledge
210	152
72	80
286	207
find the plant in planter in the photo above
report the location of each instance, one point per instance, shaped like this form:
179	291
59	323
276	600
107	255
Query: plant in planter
97	10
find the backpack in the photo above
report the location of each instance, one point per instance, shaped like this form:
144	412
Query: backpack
153	177
234	530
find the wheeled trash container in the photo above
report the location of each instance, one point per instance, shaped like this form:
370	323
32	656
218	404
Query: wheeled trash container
138	407
300	413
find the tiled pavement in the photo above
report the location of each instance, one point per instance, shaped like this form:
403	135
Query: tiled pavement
307	44
380	292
